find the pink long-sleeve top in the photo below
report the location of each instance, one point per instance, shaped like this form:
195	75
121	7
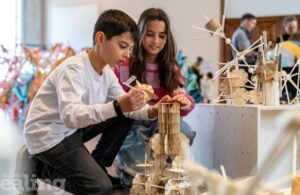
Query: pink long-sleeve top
152	77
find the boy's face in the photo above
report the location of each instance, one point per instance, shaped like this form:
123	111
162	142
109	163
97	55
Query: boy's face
116	50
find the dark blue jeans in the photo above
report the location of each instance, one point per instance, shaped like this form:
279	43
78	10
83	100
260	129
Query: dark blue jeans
70	161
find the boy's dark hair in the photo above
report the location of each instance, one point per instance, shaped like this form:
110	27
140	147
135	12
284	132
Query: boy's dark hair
288	19
115	22
247	16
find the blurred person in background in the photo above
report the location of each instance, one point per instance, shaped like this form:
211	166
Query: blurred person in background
290	26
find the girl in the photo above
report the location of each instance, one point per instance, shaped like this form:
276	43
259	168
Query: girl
153	63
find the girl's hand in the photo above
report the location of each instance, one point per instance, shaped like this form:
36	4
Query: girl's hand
185	103
153	110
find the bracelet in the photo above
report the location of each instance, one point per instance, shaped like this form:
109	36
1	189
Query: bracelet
117	108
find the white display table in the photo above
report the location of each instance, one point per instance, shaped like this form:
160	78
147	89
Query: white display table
239	137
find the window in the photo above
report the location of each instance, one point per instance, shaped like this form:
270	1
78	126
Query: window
10	28
10	23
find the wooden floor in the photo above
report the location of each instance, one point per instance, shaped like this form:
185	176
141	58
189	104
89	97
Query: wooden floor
11	139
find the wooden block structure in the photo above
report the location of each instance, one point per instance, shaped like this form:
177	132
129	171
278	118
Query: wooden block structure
165	178
169	127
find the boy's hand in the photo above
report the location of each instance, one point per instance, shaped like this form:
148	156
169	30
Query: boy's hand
133	100
153	110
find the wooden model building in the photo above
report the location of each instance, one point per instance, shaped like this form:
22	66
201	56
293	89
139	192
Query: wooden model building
266	87
160	177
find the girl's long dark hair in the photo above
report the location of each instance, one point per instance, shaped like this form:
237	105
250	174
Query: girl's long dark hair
168	73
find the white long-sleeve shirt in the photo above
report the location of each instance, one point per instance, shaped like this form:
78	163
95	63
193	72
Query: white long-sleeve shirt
73	96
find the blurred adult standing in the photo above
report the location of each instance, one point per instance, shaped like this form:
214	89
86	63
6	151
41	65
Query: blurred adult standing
241	38
290	26
290	51
196	68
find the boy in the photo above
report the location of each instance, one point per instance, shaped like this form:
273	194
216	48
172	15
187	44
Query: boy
80	99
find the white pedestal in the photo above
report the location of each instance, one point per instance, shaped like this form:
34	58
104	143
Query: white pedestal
239	137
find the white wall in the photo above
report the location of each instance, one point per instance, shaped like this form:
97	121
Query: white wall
236	8
8	30
70	22
182	15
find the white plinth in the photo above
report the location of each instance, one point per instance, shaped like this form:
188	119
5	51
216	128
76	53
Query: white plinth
239	137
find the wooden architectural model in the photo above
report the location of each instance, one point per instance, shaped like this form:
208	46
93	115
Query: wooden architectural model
269	80
160	177
265	86
147	89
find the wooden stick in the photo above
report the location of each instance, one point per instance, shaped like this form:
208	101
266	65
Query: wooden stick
127	85
294	165
224	15
223	172
209	31
156	186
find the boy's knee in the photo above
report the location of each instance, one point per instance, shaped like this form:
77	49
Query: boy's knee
108	189
102	187
24	175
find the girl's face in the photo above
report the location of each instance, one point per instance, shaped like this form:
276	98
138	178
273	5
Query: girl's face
155	37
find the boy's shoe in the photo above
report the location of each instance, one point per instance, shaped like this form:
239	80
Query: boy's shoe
116	182
24	177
